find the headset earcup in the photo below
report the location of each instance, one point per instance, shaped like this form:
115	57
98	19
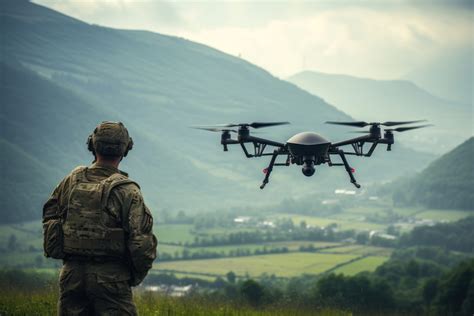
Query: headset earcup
129	146
90	144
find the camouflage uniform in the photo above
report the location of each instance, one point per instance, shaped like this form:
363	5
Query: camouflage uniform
100	284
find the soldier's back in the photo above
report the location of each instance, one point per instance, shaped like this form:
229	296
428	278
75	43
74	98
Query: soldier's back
94	279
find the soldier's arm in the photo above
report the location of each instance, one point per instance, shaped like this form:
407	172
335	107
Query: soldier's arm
141	242
51	207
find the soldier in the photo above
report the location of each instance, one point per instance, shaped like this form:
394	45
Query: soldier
97	222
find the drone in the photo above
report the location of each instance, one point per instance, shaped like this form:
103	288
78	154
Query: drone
309	149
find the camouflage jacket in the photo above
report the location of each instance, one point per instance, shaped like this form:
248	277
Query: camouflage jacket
137	224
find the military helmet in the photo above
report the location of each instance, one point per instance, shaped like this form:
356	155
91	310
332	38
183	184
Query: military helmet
110	139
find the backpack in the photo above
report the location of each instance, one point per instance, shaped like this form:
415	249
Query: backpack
80	230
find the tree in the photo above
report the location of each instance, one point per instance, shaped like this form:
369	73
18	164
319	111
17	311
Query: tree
252	291
39	261
12	243
430	289
231	277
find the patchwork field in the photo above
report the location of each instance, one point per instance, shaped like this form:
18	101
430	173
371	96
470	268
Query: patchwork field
325	221
443	215
364	264
21	245
282	265
174	233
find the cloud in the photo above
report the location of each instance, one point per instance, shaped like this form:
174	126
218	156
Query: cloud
376	39
129	14
362	42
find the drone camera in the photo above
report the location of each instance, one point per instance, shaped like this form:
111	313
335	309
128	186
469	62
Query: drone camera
308	169
308	166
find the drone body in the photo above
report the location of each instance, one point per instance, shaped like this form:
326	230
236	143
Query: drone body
309	149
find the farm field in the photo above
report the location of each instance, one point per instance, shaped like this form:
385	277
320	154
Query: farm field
21	245
364	264
360	250
282	265
290	245
174	233
443	215
325	221
27	234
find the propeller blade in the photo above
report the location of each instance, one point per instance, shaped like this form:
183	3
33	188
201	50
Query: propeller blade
266	124
356	124
404	129
390	123
360	132
221	127
214	129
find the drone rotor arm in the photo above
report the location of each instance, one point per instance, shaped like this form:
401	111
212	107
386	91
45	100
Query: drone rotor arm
263	141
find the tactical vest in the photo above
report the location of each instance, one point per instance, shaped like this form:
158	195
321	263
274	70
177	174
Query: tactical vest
84	229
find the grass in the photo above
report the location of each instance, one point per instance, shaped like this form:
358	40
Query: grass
360	250
170	249
365	264
225	230
444	215
324	221
174	233
291	245
27	234
43	303
282	265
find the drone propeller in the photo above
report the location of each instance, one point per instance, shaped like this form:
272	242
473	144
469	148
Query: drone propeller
404	129
214	129
356	124
364	124
399	129
360	132
254	124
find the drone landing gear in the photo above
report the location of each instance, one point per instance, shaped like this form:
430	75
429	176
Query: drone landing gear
348	169
269	169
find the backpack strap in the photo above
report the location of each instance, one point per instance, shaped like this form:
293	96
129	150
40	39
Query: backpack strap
77	174
112	182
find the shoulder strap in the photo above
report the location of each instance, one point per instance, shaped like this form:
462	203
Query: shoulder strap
112	182
78	174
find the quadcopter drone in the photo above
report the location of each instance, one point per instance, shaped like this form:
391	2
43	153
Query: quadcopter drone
309	149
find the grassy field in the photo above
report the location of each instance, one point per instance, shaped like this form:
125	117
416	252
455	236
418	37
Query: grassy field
444	215
43	303
325	221
291	245
283	265
172	237
364	264
26	234
360	250
174	233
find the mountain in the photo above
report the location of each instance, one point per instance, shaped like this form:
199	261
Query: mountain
61	77
450	75
383	100
445	184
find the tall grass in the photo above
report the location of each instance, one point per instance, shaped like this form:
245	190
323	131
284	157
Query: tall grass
43	302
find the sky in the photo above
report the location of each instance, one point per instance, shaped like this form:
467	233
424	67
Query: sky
375	39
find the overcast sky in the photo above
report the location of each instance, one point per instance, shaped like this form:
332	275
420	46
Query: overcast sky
377	39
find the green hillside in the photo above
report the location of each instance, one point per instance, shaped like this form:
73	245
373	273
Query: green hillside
66	76
446	184
388	100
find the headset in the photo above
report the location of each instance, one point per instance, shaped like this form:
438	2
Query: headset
90	141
